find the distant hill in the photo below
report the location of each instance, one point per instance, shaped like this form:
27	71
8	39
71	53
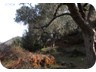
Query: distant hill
6	45
9	42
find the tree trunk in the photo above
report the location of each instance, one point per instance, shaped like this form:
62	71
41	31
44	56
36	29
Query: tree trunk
90	50
88	34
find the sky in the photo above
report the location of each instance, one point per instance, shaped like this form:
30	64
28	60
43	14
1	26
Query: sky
8	27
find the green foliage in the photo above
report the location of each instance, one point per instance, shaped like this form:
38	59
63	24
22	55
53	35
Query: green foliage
16	41
41	14
25	14
48	50
38	16
29	43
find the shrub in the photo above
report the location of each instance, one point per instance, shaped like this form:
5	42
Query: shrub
30	43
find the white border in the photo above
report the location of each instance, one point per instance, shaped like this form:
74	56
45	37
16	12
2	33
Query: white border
93	2
47	1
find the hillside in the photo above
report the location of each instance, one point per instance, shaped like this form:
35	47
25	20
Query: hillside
66	56
10	41
16	57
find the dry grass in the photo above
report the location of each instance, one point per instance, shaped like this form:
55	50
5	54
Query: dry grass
20	58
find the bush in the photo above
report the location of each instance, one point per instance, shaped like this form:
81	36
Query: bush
17	41
30	43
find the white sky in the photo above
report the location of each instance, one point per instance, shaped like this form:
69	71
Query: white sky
8	27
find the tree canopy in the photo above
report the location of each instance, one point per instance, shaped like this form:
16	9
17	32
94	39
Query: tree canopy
52	20
44	20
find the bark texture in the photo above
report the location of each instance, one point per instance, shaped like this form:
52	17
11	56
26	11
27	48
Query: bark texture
88	33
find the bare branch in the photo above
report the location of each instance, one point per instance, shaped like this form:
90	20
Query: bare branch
52	20
54	17
91	12
57	9
78	19
91	18
81	10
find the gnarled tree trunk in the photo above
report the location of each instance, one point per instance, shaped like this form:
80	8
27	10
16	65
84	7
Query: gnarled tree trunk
90	51
88	33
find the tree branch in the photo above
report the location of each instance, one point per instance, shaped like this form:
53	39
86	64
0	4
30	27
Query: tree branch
78	19
91	12
57	9
91	18
54	17
81	10
85	5
52	20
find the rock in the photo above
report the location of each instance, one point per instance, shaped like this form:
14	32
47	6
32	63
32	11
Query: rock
4	47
